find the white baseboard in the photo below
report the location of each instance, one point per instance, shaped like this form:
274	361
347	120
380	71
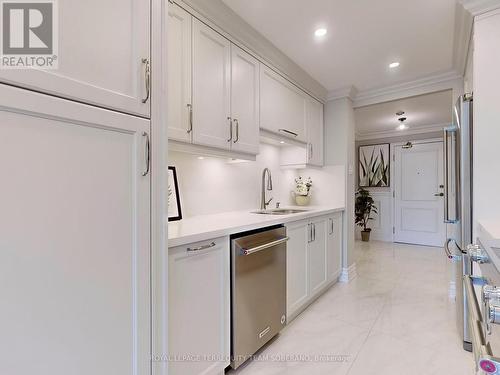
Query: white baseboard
348	274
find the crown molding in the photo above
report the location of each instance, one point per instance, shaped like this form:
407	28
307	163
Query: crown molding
477	7
363	136
433	83
342	92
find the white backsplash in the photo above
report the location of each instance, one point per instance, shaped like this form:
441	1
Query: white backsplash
212	185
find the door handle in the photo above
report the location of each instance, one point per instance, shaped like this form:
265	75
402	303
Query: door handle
288	132
439	195
146	153
147	78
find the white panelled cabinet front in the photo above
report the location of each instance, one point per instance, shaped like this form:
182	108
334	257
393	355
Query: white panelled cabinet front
317	256
179	104
212	125
334	246
297	269
315	128
244	101
74	238
103	57
282	106
313	260
199	307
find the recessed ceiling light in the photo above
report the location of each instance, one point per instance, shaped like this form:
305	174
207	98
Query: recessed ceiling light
401	127
200	158
282	142
393	65
320	32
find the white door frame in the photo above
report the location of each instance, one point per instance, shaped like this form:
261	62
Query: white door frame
393	170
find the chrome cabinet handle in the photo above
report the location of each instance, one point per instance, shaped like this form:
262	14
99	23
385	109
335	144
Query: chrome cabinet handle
309	233
265	246
230	130
202	247
147	77
289	132
313	232
190	108
312	152
237	130
146	154
439	194
331	225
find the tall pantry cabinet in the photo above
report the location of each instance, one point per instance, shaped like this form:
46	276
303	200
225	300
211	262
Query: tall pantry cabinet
75	218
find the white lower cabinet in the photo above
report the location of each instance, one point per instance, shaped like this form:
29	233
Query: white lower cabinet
317	255
74	238
313	259
199	308
297	275
334	246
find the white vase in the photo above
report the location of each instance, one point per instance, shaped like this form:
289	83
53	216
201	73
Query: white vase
302	200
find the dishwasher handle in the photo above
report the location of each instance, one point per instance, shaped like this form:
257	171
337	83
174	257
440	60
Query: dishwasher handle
264	246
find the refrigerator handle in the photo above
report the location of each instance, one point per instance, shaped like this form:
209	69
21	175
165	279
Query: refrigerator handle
446	149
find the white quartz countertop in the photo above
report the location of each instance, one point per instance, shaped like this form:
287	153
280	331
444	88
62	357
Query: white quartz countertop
205	227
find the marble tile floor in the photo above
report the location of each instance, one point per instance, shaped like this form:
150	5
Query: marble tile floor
394	318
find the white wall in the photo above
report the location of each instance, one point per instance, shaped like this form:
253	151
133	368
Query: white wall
214	185
339	150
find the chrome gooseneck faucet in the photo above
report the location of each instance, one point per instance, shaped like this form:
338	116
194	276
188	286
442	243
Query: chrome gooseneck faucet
263	202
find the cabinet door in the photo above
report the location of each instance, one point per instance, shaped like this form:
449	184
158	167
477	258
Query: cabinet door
282	106
179	74
315	132
101	47
297	278
199	323
212	125
317	257
334	247
74	234
244	101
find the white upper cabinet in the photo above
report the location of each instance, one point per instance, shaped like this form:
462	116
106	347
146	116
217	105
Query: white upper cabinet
103	56
212	123
179	74
314	110
74	238
282	106
244	101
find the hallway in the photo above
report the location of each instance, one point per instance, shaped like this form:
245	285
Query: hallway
394	318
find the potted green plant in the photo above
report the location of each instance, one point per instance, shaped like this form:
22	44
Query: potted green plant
363	208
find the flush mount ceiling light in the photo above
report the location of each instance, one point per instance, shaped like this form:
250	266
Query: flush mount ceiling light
402	125
320	32
394	64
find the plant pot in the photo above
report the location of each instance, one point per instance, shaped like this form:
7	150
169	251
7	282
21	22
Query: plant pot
365	235
302	200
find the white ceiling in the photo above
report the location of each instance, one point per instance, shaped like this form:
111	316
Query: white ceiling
364	36
429	112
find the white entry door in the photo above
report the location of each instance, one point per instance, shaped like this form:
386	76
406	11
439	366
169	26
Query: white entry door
418	188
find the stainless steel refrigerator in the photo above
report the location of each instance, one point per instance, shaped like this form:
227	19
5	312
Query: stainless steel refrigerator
458	203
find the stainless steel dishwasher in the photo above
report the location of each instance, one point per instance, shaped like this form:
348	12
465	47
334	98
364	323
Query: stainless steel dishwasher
258	290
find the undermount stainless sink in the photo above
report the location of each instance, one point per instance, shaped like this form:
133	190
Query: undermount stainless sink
279	211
